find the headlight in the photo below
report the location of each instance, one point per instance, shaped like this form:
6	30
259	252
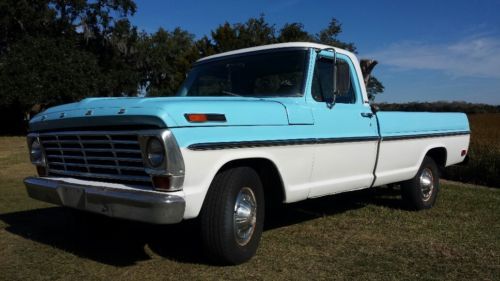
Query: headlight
36	152
155	152
162	159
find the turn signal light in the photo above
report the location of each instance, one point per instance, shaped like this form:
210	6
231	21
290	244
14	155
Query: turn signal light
464	152
42	171
205	117
196	117
161	183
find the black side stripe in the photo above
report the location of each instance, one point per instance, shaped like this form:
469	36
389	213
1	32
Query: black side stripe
267	143
288	142
420	136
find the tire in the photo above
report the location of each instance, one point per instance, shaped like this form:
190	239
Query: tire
421	192
237	188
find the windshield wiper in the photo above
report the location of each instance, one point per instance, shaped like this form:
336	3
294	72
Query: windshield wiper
231	94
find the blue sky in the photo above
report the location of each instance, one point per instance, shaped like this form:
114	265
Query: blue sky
427	50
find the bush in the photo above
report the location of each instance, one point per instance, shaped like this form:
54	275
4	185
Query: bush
484	152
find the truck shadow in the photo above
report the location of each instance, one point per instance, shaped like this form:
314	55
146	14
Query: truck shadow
123	243
330	205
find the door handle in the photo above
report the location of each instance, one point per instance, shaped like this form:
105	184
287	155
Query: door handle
367	114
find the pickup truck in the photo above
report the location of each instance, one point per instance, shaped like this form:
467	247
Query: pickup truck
248	130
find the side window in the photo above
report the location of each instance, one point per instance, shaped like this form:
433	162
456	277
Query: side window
323	81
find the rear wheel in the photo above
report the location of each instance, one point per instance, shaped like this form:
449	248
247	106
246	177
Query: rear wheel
421	191
233	215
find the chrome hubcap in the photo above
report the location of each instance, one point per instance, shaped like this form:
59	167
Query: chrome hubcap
245	216
426	183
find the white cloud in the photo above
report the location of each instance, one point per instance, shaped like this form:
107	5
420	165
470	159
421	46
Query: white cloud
470	57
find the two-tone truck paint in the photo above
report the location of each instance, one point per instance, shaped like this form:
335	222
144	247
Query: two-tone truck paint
249	128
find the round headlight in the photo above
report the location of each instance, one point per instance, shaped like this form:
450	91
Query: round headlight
36	151
155	152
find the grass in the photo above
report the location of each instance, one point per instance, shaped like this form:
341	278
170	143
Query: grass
361	235
484	152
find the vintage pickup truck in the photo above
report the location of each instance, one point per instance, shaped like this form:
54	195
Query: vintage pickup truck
249	129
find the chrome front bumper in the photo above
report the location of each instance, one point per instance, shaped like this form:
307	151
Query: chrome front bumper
113	201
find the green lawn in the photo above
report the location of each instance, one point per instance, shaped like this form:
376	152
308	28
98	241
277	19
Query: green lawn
360	235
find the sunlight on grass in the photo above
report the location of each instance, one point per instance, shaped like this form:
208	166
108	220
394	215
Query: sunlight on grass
361	235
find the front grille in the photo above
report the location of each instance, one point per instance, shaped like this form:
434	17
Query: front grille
102	156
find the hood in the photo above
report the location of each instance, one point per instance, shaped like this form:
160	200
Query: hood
168	112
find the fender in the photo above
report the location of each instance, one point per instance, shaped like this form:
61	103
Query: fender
202	166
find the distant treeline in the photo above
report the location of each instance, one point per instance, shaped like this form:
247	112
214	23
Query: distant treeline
441	106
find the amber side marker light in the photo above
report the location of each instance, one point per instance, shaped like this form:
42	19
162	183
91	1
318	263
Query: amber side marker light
205	117
196	117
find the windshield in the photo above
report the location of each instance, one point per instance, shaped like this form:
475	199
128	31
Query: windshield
272	74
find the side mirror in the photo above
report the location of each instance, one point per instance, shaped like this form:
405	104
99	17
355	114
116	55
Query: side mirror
341	78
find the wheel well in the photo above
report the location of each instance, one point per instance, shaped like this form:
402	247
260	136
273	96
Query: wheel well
274	190
438	154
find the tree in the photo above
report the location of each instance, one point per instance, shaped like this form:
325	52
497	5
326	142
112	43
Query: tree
60	51
329	36
254	32
107	33
40	70
294	32
374	87
99	31
205	47
21	17
96	19
165	58
118	60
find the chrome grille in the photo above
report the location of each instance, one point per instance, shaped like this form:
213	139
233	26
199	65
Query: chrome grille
103	156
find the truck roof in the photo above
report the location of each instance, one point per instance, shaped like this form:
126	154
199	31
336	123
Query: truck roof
278	46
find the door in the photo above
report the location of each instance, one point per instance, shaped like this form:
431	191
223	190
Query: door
347	133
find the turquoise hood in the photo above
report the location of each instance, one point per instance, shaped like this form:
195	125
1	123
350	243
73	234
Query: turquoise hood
165	112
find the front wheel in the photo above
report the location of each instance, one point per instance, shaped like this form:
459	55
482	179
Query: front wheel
421	191
232	217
